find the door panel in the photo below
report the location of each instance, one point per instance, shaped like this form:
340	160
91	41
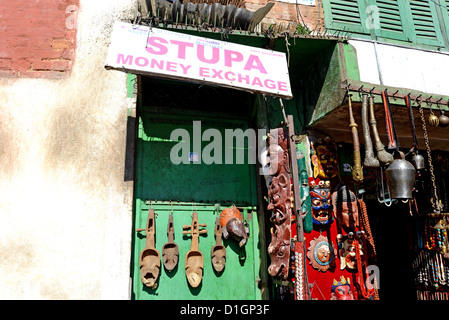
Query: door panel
198	182
238	280
183	189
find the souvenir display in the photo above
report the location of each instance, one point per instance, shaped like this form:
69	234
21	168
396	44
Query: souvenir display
279	195
150	258
194	257
311	257
348	257
232	225
396	177
431	263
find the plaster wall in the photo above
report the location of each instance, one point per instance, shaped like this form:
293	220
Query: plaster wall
65	207
400	67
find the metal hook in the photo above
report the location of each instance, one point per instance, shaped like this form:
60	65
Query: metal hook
394	94
381	198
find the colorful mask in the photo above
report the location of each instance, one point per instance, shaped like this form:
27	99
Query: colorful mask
321	254
346	249
321	206
341	290
345	207
232	224
324	159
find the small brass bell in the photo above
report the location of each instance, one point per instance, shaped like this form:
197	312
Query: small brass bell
433	120
443	119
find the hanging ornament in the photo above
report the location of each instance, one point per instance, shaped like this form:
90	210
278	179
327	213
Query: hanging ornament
443	119
321	254
433	119
347	251
436	203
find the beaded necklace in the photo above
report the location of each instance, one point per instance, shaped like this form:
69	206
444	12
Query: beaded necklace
441	272
365	292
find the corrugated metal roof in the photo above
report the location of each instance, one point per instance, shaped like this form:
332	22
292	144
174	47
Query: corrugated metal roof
228	15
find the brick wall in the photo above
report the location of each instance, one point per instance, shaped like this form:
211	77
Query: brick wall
284	14
37	38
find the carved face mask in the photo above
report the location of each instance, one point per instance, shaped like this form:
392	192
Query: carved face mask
341	290
321	254
326	154
279	253
345	207
276	157
320	197
347	252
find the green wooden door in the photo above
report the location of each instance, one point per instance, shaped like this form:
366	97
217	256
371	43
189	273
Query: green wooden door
182	189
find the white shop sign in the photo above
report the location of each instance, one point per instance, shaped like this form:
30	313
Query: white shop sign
153	51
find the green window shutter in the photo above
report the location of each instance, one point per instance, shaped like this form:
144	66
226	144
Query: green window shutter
348	15
426	23
445	14
393	24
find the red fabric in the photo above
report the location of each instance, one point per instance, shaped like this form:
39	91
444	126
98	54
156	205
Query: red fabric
322	281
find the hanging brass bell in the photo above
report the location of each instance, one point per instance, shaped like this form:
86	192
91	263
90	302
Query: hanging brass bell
433	120
401	178
443	119
418	161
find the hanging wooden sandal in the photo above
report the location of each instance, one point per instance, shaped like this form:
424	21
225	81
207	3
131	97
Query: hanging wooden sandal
150	258
194	258
218	252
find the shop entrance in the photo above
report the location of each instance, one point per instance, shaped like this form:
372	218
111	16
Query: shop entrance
194	186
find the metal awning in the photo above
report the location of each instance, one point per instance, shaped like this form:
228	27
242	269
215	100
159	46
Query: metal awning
202	14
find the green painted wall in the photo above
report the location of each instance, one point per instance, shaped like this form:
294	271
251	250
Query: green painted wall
237	281
185	188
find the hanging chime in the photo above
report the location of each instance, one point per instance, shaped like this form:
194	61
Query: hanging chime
433	119
443	119
436	203
400	173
